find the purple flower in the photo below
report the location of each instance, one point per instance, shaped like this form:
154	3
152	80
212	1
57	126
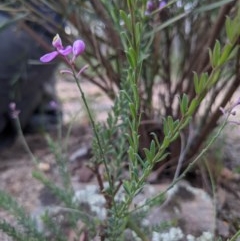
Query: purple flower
162	4
150	6
57	43
13	110
53	104
76	50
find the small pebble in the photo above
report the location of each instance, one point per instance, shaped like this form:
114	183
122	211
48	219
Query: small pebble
45	167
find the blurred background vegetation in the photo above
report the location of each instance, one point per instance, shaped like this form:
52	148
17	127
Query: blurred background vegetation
176	43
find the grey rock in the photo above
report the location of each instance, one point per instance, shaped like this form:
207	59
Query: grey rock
188	207
23	79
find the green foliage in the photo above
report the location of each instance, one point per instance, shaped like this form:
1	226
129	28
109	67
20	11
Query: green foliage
132	54
28	226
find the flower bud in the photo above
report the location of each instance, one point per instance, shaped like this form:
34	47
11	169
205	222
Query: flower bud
162	4
14	113
150	6
78	47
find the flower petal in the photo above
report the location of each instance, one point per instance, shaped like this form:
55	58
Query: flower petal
78	47
49	57
57	42
65	51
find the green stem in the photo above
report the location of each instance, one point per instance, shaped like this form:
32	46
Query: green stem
131	224
94	130
24	142
213	186
204	150
236	235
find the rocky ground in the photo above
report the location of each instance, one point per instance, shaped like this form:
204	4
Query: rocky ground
197	211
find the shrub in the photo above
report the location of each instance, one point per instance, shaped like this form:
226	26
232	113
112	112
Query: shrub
184	54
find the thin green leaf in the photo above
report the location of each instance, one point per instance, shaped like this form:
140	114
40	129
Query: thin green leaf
216	54
212	6
125	19
196	83
166	24
184	104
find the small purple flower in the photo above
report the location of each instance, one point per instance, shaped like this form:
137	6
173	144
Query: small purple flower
162	4
76	50
13	110
150	6
57	43
53	104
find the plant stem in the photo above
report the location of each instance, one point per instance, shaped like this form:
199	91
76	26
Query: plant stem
25	144
191	164
94	131
236	235
131	224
